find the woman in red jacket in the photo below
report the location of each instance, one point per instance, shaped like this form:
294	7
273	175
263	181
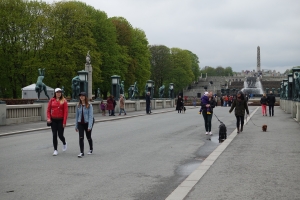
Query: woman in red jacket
57	114
110	105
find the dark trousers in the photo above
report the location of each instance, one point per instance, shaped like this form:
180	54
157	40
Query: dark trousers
271	110
84	128
239	120
147	108
57	129
207	121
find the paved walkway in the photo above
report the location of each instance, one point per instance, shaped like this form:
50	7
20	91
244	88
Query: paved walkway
250	165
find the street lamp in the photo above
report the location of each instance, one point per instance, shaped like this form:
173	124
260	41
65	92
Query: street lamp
290	86
171	90
83	85
115	86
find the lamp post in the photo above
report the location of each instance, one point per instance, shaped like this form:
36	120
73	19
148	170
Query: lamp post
83	76
150	88
171	90
115	86
296	84
290	86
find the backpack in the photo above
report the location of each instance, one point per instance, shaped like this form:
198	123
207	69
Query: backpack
222	132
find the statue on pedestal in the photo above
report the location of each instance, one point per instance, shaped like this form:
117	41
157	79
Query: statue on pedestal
88	58
135	91
75	87
130	91
122	87
40	86
161	91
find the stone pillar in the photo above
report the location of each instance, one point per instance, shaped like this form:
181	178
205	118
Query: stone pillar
153	105
297	111
137	105
89	69
2	113
293	109
164	103
44	107
288	107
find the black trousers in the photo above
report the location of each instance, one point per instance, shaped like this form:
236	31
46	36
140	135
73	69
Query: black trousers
81	129
239	120
207	121
147	108
271	110
57	129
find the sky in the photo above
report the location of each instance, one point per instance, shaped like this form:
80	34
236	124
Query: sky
220	32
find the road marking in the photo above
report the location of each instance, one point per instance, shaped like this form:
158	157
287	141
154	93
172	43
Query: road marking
187	185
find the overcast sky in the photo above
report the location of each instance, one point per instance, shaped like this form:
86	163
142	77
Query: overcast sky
220	32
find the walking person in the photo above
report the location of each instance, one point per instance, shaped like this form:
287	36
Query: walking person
179	104
110	105
222	100
240	104
122	104
84	123
207	112
271	102
103	107
263	102
148	103
114	105
57	115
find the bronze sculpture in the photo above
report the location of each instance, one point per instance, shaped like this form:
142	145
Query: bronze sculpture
40	86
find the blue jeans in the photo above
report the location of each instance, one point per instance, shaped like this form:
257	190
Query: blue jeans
122	109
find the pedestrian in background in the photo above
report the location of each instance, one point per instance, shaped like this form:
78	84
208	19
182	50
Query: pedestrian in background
114	105
222	100
110	105
122	105
240	105
103	108
179	104
207	116
271	102
57	115
263	102
148	103
84	123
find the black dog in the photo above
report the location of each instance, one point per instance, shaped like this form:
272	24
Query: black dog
183	109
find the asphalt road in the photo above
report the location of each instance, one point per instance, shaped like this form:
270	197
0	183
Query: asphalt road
145	157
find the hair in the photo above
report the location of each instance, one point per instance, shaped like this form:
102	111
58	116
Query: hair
264	95
242	95
61	98
86	102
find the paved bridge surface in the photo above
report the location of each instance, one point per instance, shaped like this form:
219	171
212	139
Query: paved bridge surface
164	155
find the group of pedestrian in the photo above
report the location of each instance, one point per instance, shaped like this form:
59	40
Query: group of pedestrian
268	101
57	115
209	102
111	105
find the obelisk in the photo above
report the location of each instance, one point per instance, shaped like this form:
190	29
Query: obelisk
258	59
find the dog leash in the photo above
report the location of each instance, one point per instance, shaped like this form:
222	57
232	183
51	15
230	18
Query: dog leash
218	118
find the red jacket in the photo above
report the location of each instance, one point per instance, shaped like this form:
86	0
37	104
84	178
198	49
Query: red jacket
57	110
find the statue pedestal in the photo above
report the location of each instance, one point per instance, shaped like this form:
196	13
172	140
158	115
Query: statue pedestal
44	104
2	113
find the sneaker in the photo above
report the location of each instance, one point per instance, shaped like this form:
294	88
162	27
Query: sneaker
55	153
90	152
125	114
80	155
65	147
206	133
210	133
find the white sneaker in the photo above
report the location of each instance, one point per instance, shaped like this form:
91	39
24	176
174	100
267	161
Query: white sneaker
55	153
80	155
65	147
90	152
210	133
206	133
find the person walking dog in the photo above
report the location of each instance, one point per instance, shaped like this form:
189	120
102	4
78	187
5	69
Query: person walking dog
240	105
57	115
84	123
